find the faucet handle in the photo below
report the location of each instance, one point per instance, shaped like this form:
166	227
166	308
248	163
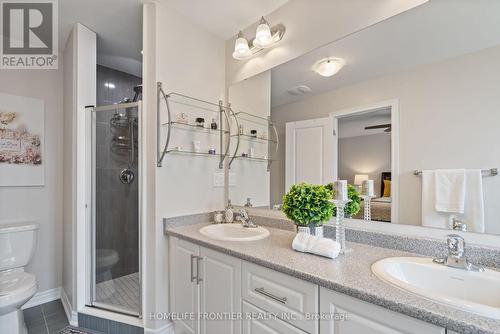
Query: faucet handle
456	245
458	225
244	214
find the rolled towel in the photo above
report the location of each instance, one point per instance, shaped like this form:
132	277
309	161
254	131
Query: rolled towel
307	243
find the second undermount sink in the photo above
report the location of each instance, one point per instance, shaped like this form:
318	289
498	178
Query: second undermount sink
475	292
234	232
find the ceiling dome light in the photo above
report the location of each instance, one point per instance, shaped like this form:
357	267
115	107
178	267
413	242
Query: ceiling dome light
329	66
241	48
263	37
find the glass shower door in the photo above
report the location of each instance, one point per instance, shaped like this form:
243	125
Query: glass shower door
115	259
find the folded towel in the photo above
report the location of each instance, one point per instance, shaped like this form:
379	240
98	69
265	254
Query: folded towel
473	213
307	243
449	185
474	201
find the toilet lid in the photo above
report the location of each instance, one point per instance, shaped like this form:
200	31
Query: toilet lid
16	281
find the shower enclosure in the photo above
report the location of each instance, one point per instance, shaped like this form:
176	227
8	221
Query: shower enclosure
115	228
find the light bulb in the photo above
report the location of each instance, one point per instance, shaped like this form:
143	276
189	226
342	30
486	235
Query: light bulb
329	66
241	49
263	37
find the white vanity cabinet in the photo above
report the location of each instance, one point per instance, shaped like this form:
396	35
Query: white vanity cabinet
203	282
207	282
363	317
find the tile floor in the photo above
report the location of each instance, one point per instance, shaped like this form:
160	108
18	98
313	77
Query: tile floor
121	292
48	318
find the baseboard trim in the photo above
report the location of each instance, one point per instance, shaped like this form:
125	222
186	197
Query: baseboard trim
43	297
68	309
167	329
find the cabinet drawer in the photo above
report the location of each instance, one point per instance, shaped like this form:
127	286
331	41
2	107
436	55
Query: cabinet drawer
291	298
258	325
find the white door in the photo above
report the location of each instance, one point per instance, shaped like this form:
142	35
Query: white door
220	291
309	152
365	318
184	287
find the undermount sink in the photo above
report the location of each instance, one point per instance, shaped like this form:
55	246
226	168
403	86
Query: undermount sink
234	232
475	292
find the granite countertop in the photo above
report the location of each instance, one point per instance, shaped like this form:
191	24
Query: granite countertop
349	274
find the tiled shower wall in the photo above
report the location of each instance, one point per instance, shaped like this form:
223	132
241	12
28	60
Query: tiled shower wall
117	228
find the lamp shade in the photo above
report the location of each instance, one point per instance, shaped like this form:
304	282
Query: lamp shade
241	48
359	178
263	36
329	66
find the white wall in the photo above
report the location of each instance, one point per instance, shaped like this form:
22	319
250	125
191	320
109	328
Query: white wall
40	204
448	119
191	62
306	24
252	178
79	92
369	155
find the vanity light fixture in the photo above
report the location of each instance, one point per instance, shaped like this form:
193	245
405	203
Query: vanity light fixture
241	48
329	66
265	37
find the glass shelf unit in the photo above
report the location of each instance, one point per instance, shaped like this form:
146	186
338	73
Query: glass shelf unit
194	128
201	154
254	139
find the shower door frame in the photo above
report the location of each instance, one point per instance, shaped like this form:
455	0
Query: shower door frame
91	298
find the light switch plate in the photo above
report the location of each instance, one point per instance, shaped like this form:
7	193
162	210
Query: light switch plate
218	179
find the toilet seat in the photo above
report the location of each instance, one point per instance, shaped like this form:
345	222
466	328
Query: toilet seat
15	287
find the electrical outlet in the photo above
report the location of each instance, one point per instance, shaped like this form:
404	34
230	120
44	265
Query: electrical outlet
218	179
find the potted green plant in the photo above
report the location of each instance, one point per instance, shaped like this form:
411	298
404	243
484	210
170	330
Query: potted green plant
353	206
308	206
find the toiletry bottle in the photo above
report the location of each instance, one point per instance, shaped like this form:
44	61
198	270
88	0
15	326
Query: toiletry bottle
213	125
228	213
240	129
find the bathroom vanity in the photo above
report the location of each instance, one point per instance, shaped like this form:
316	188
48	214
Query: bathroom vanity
267	277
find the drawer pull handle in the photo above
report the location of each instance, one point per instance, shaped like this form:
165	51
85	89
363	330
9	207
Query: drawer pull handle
263	291
198	269
193	277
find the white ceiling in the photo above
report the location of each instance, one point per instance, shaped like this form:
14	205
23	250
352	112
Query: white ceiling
118	24
437	30
224	18
354	126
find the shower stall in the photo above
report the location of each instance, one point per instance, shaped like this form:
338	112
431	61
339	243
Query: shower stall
115	229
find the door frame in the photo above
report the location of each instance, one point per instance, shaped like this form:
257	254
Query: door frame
359	110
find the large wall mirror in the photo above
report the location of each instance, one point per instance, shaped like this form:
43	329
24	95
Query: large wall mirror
415	108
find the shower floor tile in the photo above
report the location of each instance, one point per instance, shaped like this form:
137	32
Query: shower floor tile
121	292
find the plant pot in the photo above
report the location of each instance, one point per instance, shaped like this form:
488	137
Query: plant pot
303	229
317	231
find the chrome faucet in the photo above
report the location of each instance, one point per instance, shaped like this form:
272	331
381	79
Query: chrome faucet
458	225
456	254
245	220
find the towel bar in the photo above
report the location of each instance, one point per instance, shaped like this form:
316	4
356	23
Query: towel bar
485	172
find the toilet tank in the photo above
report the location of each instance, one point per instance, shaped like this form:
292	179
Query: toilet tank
17	244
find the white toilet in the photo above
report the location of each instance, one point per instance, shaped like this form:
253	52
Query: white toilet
17	244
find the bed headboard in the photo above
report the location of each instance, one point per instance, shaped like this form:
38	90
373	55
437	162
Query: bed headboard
385	176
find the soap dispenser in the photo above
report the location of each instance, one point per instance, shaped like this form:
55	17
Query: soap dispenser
228	213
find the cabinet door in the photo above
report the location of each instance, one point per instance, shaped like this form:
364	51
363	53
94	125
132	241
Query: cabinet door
184	292
220	292
362	318
259	324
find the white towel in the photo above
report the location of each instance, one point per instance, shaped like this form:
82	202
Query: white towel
449	187
473	214
307	243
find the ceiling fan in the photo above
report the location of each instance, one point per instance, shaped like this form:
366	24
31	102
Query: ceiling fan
387	127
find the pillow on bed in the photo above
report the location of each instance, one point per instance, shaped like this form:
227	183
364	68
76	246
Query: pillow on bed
387	188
